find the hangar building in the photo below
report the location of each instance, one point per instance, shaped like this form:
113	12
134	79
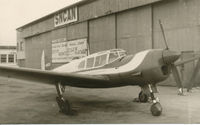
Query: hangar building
95	25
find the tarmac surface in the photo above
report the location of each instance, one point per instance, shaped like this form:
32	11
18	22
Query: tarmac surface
25	102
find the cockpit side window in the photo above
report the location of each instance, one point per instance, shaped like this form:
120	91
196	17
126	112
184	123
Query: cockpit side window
113	56
101	60
90	62
81	65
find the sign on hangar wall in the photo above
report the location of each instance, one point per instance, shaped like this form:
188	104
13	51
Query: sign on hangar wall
65	51
66	16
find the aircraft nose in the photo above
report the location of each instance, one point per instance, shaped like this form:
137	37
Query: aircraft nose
170	56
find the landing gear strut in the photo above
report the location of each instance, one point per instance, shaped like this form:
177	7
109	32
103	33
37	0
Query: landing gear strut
143	97
62	103
156	108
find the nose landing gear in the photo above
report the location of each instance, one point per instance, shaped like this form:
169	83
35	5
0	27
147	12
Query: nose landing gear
147	95
156	108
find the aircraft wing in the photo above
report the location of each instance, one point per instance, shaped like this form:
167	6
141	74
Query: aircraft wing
51	77
187	61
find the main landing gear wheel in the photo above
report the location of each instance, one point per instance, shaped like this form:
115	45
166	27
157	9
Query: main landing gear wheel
62	103
156	109
143	97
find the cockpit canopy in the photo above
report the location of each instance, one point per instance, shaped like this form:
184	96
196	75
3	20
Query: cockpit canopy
102	58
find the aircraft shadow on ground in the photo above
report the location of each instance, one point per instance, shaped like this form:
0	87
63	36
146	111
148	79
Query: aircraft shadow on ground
83	105
88	103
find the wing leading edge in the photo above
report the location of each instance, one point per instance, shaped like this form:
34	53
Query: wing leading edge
51	77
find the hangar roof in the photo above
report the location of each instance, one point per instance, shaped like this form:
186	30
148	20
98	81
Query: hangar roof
37	20
80	3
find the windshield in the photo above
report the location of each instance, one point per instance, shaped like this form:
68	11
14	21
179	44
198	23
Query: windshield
113	56
122	54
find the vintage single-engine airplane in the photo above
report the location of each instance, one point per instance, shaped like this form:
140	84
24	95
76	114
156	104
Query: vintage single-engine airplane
107	69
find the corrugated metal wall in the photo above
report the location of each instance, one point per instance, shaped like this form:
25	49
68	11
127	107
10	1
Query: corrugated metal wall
134	29
37	44
181	21
59	33
99	8
33	56
37	28
77	31
102	33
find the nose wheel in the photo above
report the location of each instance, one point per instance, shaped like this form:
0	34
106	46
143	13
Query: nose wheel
156	109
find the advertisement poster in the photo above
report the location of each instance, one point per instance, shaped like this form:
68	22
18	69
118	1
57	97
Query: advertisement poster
66	51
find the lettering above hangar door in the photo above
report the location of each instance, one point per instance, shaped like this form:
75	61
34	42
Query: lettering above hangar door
66	16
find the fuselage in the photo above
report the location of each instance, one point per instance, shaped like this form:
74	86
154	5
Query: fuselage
120	69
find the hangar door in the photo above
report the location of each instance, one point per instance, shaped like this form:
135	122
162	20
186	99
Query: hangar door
34	47
77	31
134	32
102	33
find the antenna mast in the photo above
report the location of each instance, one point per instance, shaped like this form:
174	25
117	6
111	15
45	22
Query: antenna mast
163	33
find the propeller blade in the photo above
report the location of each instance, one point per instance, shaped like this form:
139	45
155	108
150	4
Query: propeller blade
177	78
163	33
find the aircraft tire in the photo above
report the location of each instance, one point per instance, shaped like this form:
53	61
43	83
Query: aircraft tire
156	109
143	97
63	105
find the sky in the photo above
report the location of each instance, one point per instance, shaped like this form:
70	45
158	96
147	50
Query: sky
16	13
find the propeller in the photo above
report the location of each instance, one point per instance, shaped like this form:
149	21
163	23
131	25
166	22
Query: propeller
169	57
